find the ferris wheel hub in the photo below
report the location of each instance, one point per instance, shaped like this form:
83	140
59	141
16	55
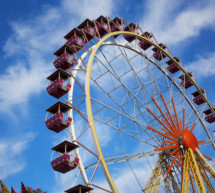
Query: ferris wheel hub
189	140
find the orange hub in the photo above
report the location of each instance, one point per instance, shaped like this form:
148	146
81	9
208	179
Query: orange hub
189	140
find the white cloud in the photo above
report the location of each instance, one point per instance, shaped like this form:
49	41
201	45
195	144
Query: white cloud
19	83
34	40
89	9
171	26
203	67
11	151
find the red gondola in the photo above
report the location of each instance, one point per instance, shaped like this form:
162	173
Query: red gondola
58	120
102	25
65	59
210	117
143	43
75	38
58	86
130	28
116	25
185	81
89	29
172	66
64	163
159	55
198	99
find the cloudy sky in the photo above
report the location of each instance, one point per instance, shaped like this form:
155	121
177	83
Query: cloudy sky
32	30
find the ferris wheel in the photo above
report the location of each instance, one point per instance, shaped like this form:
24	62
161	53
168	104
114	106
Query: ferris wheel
137	120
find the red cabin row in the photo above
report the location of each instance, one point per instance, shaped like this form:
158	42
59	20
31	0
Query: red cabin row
88	29
100	27
64	58
130	28
210	117
143	43
58	119
58	85
65	162
185	81
198	98
159	55
172	66
79	189
75	38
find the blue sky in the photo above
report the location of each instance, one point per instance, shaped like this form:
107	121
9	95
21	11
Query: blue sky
31	31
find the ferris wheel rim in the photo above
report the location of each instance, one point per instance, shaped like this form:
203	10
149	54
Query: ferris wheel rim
88	99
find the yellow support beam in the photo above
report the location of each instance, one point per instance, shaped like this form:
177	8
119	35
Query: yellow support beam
153	183
186	170
196	172
204	175
203	167
208	167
